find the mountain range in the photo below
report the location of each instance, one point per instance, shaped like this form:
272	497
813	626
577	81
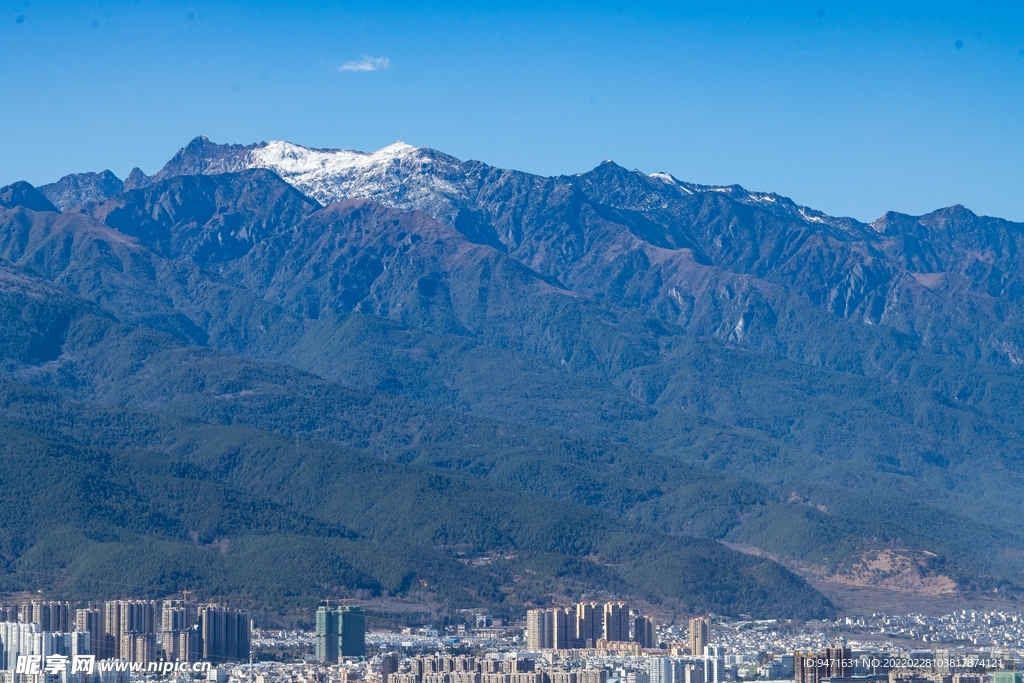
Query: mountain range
401	374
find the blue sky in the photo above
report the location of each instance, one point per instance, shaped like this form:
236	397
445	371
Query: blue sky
852	108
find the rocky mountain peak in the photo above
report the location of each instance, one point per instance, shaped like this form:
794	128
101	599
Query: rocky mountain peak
24	195
203	157
80	188
137	180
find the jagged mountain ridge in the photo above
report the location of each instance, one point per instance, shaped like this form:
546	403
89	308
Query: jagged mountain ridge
719	261
78	188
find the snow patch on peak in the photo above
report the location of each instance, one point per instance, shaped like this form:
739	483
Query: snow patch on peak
671	180
880	225
810	216
399	175
289	159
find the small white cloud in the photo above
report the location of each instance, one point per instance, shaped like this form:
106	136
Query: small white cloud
366	64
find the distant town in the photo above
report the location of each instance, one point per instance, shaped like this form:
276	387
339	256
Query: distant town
182	640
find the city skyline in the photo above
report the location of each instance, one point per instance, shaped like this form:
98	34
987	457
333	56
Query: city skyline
134	630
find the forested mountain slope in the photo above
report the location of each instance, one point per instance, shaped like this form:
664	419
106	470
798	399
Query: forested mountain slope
627	349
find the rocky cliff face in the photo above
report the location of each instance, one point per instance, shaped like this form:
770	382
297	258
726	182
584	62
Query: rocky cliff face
79	188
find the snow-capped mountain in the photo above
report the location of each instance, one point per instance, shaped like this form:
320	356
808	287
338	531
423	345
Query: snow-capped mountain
399	176
419	178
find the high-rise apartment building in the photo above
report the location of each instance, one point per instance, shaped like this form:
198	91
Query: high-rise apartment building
548	629
585	625
832	662
111	645
224	634
139	647
563	629
693	672
700	635
589	623
840	662
714	664
388	666
121	622
90	620
16	638
48	615
22	639
176	615
616	621
643	632
180	646
179	637
138	616
538	629
805	669
340	632
328	634
666	670
353	632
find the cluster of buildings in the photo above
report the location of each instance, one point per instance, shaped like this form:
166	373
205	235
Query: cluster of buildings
994	628
479	649
833	664
141	632
587	643
588	625
440	668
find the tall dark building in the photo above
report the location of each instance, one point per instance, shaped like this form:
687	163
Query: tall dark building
388	666
838	662
616	621
328	634
353	632
643	632
340	632
224	634
805	669
563	629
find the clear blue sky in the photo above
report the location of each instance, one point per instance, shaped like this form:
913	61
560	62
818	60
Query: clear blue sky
852	108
